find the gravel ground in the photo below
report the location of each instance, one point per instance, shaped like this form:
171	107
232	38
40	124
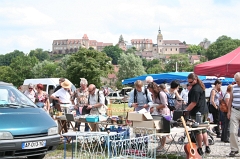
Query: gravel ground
219	150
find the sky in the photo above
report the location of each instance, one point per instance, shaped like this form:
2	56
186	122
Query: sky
29	24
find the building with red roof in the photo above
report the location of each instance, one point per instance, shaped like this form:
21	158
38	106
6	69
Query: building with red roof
66	46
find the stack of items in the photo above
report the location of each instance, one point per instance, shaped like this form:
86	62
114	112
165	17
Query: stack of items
145	120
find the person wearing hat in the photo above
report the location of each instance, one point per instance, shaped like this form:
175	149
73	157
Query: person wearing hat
63	96
30	93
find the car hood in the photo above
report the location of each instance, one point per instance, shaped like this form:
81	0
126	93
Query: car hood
24	121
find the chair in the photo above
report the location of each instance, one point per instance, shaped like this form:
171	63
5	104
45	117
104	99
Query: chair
70	118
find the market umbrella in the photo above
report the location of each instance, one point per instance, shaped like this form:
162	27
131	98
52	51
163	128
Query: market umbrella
224	66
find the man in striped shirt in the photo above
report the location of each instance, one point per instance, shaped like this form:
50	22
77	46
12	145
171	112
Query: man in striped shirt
234	115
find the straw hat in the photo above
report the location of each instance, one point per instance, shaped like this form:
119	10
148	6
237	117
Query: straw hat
66	84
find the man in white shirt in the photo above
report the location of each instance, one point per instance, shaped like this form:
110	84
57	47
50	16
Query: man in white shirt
96	101
184	93
139	97
63	94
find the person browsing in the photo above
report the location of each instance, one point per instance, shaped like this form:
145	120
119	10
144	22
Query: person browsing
30	92
139	97
63	94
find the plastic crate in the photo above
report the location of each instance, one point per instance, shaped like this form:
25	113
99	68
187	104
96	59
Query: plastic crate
92	118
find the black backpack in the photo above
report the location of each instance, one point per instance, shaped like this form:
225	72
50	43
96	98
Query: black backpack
135	95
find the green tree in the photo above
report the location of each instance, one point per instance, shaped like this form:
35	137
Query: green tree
23	65
222	46
44	69
194	49
5	60
130	66
61	70
40	54
182	61
121	39
8	75
89	64
90	48
154	66
145	62
113	52
155	69
131	50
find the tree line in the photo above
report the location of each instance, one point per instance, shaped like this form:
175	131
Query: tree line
91	64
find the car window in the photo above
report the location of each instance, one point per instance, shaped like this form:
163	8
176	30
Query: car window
110	95
10	95
114	94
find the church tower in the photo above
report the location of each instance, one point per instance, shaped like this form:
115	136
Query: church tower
160	42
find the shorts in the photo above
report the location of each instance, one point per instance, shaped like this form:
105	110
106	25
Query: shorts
204	118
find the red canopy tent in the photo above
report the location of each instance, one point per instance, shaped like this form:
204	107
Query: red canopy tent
224	66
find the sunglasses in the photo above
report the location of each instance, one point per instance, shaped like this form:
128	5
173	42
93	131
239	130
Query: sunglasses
191	81
30	88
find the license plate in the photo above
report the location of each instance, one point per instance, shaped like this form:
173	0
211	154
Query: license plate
33	145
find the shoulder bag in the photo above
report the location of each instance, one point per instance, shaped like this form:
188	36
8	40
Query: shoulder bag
223	106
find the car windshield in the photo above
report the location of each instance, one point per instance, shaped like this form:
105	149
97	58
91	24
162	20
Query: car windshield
11	97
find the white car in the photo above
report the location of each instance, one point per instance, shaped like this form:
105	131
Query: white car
114	97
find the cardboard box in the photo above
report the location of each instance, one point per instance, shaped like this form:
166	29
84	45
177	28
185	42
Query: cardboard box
147	124
139	117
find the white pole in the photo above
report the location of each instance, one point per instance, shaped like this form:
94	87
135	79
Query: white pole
176	66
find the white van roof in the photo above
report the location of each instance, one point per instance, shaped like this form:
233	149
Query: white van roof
49	81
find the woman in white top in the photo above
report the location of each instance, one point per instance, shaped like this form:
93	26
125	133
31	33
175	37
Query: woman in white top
159	97
225	124
215	96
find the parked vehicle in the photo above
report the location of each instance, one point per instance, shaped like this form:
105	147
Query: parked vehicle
114	97
125	91
25	129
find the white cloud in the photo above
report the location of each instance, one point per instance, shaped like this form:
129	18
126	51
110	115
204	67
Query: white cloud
40	22
24	16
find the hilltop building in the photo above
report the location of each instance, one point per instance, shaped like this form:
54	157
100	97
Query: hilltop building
147	49
66	46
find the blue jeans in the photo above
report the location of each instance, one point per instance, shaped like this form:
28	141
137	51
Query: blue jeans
225	128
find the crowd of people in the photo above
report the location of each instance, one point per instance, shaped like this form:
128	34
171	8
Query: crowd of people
87	99
193	99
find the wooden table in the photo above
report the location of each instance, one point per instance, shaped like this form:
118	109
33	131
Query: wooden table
62	121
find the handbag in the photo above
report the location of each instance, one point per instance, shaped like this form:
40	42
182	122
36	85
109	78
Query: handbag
223	106
40	104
